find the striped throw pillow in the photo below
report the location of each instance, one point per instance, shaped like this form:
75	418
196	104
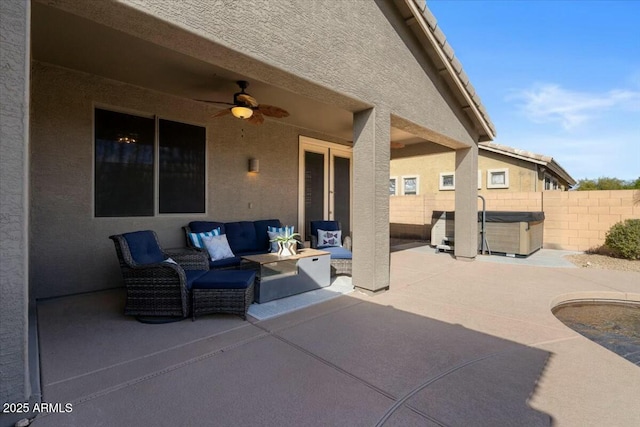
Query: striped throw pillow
287	230
196	238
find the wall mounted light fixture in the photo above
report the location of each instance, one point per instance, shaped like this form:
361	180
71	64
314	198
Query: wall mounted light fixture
254	165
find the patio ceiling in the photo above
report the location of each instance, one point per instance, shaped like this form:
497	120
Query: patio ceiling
73	42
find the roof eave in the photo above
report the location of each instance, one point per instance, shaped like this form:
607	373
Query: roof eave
453	69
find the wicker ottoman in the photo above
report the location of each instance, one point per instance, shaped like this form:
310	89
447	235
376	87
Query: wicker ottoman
223	291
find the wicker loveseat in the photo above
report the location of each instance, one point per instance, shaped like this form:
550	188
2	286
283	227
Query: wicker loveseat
176	284
244	237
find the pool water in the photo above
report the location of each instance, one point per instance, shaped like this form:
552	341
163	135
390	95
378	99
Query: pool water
615	326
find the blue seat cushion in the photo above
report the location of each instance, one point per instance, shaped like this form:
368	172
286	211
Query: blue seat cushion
205	226
225	279
338	252
192	275
225	262
241	236
262	238
143	247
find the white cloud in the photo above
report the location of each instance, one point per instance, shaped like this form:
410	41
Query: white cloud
550	103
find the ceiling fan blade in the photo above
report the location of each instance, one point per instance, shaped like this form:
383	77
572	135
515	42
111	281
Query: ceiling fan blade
214	102
222	112
257	118
272	111
247	99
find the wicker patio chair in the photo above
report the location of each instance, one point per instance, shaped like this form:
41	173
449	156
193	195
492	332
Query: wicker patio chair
155	286
340	256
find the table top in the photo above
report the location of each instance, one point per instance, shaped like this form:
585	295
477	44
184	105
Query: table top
274	257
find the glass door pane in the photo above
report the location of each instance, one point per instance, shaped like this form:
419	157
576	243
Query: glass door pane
314	188
342	193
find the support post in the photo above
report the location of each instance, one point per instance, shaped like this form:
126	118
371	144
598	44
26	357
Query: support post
466	220
371	151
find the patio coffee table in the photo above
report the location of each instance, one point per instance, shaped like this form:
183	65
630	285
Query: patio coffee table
279	277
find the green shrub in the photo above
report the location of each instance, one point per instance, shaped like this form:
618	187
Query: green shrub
623	239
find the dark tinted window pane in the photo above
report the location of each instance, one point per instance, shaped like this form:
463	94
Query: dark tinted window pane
123	164
181	167
313	189
342	193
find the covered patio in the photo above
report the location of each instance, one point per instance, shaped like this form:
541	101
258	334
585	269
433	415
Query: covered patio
358	78
471	345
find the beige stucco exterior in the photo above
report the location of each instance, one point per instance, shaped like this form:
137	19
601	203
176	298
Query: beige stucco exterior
523	175
317	52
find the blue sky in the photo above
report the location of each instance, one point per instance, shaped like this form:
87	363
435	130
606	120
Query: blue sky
560	78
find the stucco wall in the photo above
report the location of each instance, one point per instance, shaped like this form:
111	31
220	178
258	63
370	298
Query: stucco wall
335	52
523	175
70	249
14	56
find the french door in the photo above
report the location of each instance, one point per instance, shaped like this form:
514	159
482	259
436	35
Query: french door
325	184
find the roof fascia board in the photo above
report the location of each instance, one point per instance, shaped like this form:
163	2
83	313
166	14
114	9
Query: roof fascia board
514	155
424	26
551	165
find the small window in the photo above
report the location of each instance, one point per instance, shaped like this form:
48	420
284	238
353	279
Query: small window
498	178
393	190
550	183
410	185
447	181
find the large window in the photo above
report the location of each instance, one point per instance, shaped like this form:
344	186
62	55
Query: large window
123	164
126	165
181	160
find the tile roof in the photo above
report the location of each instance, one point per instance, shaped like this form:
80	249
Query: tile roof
452	66
540	159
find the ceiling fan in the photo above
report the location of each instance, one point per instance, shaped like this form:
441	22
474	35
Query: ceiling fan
246	107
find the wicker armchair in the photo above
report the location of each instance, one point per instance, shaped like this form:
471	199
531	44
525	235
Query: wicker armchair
156	286
340	256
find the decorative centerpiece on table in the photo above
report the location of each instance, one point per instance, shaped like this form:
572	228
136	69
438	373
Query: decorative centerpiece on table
287	244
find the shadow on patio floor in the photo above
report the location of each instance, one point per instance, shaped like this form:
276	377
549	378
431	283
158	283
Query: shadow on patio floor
342	362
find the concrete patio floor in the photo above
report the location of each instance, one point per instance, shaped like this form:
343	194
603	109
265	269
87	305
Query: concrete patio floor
452	343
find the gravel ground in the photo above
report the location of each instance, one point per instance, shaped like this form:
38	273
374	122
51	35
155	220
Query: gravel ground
604	262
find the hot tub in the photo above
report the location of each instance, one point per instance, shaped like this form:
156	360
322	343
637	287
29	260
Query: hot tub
509	233
513	233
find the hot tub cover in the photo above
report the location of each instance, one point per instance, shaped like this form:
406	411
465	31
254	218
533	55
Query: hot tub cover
507	216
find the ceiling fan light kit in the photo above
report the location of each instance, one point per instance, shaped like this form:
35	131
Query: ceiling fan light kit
241	112
246	107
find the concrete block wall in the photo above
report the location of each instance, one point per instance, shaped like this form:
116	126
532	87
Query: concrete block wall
579	220
574	220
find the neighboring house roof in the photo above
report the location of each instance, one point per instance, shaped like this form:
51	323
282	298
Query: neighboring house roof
425	26
540	159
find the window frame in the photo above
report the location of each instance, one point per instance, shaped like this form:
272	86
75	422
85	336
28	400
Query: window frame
406	177
553	183
441	185
395	189
156	166
490	173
